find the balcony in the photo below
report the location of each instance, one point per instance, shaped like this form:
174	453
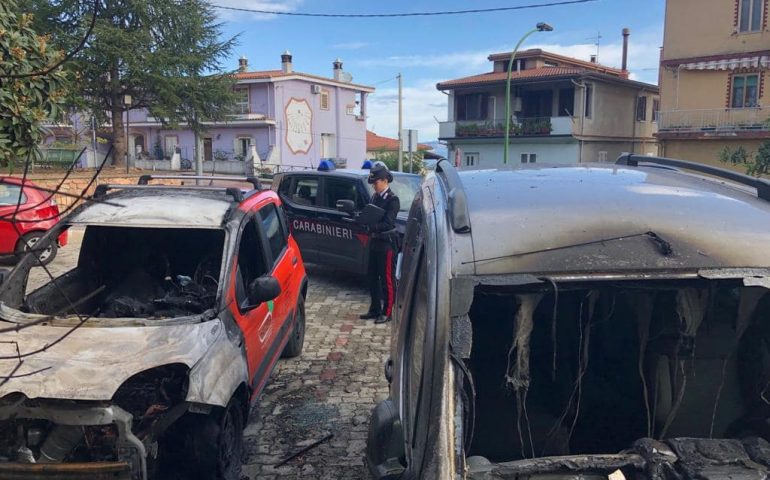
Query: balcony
524	127
721	121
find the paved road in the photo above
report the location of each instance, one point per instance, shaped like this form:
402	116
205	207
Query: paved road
330	389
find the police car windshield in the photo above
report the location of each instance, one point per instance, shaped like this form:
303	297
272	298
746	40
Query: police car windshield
405	187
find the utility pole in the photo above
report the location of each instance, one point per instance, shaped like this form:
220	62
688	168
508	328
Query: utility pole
400	126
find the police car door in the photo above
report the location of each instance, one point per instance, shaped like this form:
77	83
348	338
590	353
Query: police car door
299	195
344	242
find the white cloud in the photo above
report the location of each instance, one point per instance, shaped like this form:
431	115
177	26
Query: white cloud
351	45
468	61
421	103
266	5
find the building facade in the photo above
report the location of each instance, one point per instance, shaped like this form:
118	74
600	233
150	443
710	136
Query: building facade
283	120
714	78
563	110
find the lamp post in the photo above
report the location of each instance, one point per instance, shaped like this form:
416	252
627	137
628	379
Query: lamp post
540	27
127	104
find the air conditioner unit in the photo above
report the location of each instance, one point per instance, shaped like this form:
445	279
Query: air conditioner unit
315	89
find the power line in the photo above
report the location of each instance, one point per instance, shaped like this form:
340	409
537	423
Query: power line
405	14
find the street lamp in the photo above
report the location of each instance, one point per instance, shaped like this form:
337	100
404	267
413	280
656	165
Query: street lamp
540	27
127	104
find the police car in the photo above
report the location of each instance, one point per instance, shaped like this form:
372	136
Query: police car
326	235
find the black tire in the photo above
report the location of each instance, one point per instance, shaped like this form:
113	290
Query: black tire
214	445
296	341
28	242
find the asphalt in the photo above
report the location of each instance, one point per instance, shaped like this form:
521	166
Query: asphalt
311	420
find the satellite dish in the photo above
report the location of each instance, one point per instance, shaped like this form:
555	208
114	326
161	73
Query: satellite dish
346	77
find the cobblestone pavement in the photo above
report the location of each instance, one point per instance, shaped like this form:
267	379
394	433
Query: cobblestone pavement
329	390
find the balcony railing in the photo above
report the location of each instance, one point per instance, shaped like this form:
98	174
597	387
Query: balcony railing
714	120
523	127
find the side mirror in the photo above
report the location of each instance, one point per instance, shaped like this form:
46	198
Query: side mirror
347	206
263	289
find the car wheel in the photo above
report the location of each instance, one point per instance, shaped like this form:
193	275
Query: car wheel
215	448
296	341
28	243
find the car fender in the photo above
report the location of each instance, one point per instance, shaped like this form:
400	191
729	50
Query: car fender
216	377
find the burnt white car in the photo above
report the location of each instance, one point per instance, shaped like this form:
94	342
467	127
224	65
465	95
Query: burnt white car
149	352
581	322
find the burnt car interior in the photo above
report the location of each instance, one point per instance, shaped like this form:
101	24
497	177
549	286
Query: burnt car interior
149	273
590	369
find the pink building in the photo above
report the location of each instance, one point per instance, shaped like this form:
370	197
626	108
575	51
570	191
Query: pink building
283	120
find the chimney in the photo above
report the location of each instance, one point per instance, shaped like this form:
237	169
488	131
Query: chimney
338	69
286	62
243	64
593	58
626	33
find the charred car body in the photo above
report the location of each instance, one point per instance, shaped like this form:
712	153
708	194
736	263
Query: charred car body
581	322
151	349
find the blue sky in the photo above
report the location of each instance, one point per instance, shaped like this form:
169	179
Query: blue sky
427	50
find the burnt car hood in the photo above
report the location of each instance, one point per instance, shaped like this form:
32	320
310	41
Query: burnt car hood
92	363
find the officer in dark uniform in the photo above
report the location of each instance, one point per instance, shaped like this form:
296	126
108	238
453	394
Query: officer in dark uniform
383	246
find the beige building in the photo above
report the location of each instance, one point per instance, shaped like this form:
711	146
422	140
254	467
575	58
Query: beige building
563	110
714	78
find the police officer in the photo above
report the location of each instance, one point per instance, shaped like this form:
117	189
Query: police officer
382	247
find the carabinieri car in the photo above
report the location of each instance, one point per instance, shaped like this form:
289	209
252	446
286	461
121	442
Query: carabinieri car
326	235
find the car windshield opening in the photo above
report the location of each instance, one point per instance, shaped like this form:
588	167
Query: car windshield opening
405	187
152	273
576	370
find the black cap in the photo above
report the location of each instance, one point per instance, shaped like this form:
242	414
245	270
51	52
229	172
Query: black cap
379	172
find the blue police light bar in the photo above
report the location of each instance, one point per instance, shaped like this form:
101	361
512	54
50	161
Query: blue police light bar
367	165
325	166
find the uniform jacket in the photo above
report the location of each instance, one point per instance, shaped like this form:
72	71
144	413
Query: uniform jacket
389	202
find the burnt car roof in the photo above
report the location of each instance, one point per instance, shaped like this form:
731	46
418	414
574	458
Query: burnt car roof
157	208
602	217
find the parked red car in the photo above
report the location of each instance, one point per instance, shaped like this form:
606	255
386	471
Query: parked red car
37	213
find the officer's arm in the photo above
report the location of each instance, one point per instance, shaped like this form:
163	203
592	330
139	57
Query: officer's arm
388	221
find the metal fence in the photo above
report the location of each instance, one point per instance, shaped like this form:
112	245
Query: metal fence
722	119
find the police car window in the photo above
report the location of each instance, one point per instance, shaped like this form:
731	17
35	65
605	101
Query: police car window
405	187
9	195
339	189
251	262
271	224
304	191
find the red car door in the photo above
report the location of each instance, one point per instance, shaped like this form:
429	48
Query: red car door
254	320
9	196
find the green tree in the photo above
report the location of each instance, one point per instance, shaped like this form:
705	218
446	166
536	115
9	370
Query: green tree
166	54
25	101
390	159
761	164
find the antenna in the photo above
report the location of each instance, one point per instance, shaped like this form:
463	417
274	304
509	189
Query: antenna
597	41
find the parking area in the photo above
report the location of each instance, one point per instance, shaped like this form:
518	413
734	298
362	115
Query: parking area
321	399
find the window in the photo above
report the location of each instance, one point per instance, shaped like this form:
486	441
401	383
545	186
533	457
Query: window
750	16
528	157
744	94
655	109
471	159
251	263
587	110
350	109
9	194
276	237
641	108
603	156
242	147
324	100
303	191
473	106
242	100
566	102
550	64
339	189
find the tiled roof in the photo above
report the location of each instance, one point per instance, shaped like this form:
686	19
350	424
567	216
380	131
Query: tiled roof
493	77
375	142
268	74
561	60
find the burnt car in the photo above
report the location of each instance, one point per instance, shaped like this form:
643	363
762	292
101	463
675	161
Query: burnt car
148	353
325	235
581	322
